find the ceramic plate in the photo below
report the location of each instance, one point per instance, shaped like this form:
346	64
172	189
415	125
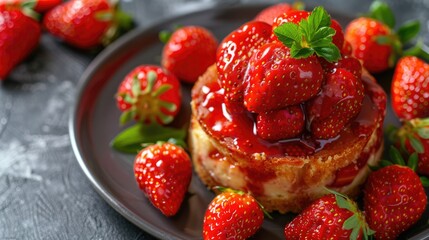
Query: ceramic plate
94	123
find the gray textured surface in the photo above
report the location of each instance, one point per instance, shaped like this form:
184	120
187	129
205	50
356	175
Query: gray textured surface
43	192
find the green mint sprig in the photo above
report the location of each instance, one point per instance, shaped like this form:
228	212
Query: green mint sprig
311	36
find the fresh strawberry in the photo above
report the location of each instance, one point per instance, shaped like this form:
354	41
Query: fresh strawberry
232	215
39	6
339	101
86	23
234	53
163	172
413	136
19	35
394	199
374	40
270	13
361	33
349	63
333	216
296	17
188	52
149	94
275	80
410	89
280	124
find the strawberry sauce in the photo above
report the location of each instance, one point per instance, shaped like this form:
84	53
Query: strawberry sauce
235	128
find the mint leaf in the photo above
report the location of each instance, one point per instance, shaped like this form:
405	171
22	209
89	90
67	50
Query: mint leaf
288	33
383	13
131	139
408	31
330	52
311	35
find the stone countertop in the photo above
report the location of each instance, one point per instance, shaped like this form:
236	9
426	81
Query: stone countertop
43	192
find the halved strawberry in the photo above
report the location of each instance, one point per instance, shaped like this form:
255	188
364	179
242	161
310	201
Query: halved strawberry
149	94
339	101
234	53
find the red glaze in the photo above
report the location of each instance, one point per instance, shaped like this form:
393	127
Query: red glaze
237	130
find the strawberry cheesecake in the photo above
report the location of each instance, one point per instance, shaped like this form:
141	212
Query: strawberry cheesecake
286	112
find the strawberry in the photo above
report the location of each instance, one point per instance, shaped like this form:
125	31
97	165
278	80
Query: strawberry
149	94
349	63
280	124
270	13
234	53
413	136
394	198
232	215
339	101
410	89
188	52
19	36
333	216
275	80
361	34
376	43
39	6
163	172
86	24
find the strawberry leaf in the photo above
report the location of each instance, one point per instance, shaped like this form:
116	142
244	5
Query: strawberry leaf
131	139
416	144
351	223
311	35
164	36
383	13
385	163
412	161
425	181
396	156
423	132
408	31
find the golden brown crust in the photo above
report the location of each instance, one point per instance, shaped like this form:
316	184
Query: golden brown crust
294	181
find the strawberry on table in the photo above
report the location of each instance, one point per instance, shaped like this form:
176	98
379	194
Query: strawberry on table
19	36
333	216
149	95
232	215
163	172
394	198
410	88
234	53
374	40
189	52
86	24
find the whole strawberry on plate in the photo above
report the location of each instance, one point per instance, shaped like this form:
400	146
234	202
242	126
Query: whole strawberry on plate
39	6
163	172
232	215
149	94
333	216
375	41
410	88
413	137
87	24
188	52
19	36
394	197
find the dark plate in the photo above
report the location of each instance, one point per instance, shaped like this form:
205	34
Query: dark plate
94	123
